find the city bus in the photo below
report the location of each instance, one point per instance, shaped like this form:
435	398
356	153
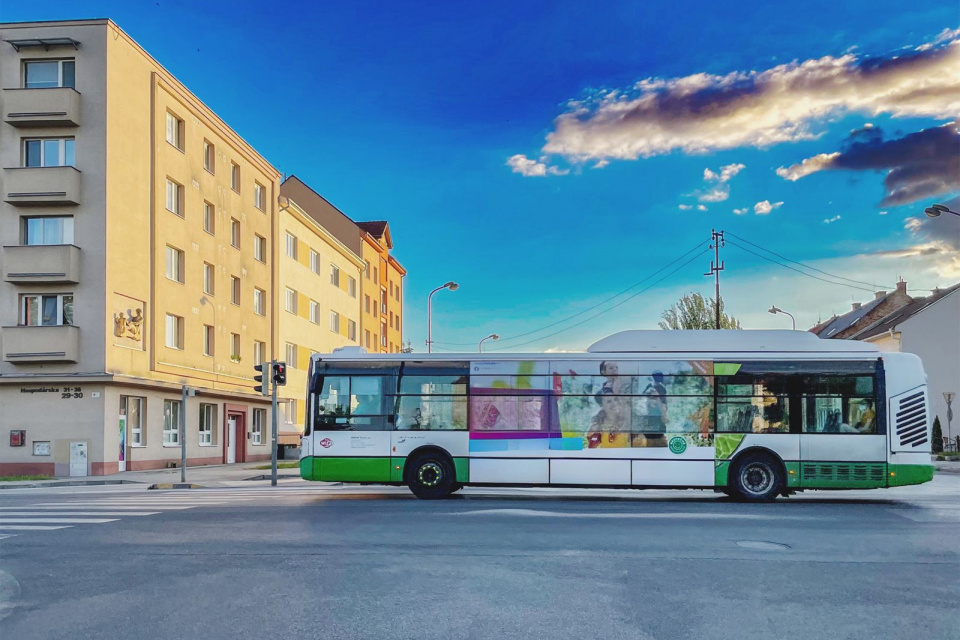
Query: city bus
753	414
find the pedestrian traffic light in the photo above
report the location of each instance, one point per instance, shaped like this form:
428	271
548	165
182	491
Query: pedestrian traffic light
261	388
280	373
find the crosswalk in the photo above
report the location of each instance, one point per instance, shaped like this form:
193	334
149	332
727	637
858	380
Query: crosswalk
55	511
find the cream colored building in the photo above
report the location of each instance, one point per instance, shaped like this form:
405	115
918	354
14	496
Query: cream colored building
318	303
138	235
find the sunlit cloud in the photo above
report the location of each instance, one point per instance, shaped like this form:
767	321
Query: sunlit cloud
701	207
685	207
742	211
528	167
764	207
935	238
759	108
831	220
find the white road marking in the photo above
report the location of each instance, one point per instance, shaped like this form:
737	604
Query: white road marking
533	513
56	520
57	509
41	514
29	528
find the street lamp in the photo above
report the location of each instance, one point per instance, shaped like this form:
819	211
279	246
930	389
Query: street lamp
949	396
935	210
492	336
453	286
775	310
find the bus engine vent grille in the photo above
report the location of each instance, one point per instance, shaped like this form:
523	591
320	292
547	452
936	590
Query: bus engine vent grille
911	420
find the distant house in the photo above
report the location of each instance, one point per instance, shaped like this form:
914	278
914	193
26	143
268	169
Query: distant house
928	327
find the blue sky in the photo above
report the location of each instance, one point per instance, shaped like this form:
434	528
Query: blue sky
410	113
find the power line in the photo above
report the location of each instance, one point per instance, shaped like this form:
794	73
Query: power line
873	286
646	288
786	266
580	313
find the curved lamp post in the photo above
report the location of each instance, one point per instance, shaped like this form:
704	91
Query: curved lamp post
935	210
775	310
492	336
453	286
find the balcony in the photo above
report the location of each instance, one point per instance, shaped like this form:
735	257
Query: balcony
41	344
42	264
41	186
41	107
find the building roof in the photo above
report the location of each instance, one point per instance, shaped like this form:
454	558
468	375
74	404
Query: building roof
376	228
837	324
901	315
326	214
723	340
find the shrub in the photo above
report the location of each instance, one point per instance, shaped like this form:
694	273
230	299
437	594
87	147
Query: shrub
937	444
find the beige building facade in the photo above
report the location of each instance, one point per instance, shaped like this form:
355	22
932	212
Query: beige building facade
139	242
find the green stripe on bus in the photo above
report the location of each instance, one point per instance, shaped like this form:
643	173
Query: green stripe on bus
725	368
721	473
463	469
899	475
306	468
843	475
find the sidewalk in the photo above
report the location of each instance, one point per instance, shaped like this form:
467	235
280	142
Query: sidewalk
211	476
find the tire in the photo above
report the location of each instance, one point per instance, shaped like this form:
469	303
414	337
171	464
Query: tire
757	477
431	476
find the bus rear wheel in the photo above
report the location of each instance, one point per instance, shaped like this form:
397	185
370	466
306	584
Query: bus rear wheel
756	477
431	476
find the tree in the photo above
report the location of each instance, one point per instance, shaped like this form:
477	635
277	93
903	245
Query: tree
693	311
937	444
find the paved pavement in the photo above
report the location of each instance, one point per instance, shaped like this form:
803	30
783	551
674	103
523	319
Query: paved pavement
214	475
316	561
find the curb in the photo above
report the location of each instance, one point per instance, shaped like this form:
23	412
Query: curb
65	483
175	485
268	476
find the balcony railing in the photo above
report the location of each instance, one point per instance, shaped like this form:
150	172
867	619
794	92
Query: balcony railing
42	264
41	344
56	107
41	186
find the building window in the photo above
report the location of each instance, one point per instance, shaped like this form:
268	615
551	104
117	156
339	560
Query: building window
208	278
46	230
235	290
334	322
383	301
174	264
209	218
366	338
291	353
391	319
175	131
53	310
259	348
291	301
314	262
209	156
171	423
174	197
291	245
49	74
234	346
352	330
375	277
235	176
259	417
49	152
132	408
259	248
375	339
366	303
383	337
335	275
208	424
366	269
314	312
208	338
174	331
259	196
352	286
259	302
235	232
292	413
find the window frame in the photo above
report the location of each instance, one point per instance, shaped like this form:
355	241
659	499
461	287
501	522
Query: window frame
291	245
207	424
178	132
259	301
314	262
209	279
61	309
60	62
259	351
290	300
209	217
235	233
174	270
178	197
334	275
235	290
259	248
171	422
334	322
66	228
235	177
234	345
290	353
178	322
259	196
351	286
314	312
256	426
209	340
137	431
62	144
351	330
209	157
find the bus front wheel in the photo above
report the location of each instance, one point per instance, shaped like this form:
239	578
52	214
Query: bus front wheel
756	477
431	476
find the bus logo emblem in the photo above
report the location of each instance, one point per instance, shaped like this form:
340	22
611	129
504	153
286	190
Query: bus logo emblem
678	444
326	443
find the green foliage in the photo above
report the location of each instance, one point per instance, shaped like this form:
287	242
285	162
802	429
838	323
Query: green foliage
693	311
726	444
24	478
937	444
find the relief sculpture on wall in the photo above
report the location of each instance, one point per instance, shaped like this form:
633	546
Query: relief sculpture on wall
128	325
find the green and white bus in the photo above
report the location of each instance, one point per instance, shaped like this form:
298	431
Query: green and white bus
754	414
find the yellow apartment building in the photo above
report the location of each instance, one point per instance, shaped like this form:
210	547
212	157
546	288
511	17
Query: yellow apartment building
382	317
139	244
319	297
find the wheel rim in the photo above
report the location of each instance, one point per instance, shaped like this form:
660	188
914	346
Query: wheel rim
756	478
430	474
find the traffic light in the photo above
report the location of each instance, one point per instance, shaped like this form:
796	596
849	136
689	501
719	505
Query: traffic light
261	388
280	373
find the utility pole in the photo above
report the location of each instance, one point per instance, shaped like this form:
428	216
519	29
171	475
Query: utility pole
716	237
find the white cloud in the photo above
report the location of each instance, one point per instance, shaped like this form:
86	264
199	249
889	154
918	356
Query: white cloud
742	211
704	112
764	207
527	167
717	194
701	207
808	166
685	207
883	213
831	220
720	190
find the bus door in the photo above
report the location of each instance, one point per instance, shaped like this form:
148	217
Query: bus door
351	438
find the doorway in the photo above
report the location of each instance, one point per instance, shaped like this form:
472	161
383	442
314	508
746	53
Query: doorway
231	439
78	459
235	436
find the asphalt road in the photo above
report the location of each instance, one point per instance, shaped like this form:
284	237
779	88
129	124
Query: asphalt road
306	561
